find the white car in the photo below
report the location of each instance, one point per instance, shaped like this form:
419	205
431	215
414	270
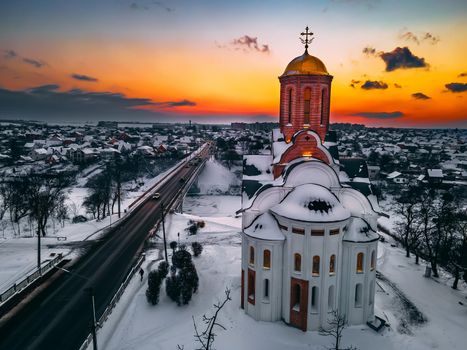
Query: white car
156	195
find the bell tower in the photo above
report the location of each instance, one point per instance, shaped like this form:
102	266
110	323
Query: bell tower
305	94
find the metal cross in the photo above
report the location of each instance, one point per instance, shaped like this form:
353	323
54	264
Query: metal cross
306	41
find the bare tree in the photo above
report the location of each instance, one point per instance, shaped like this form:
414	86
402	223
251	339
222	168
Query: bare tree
408	227
337	324
206	337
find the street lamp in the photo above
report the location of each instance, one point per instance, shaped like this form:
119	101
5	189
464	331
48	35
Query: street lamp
90	290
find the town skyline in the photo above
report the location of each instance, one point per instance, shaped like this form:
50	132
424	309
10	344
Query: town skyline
394	64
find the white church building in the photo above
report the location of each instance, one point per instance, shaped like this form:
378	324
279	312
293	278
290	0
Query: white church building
309	241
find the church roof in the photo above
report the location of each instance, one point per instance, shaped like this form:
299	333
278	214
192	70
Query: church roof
265	227
311	203
305	64
359	231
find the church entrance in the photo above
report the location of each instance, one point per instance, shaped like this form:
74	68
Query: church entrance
298	303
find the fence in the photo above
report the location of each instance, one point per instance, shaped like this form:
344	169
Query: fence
30	278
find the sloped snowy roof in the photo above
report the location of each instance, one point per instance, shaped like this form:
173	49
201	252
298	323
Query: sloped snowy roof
359	231
311	203
435	173
265	227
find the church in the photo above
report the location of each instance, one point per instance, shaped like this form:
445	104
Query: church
309	241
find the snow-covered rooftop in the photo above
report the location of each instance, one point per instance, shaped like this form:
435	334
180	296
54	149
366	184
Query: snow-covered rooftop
265	227
359	231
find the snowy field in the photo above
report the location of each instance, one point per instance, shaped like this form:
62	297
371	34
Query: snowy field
135	324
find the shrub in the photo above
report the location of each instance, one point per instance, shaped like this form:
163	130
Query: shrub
163	269
181	258
193	229
173	246
154	287
78	219
201	224
172	288
197	248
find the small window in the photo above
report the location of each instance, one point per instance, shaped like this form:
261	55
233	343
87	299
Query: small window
297	262
314	299
300	231
267	259
315	269
331	298
285	228
252	255
358	295
317	232
251	286
332	264
373	260
266	288
323	96
360	263
289	112
334	232
306	106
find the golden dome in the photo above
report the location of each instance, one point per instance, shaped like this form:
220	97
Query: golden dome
307	65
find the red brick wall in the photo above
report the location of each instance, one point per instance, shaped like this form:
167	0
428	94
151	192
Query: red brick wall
298	84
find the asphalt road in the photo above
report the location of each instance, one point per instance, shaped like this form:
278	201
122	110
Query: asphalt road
60	317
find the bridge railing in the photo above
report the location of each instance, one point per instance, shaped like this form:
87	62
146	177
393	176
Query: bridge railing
31	277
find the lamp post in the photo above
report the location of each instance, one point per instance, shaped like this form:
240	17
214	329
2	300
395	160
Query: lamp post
90	290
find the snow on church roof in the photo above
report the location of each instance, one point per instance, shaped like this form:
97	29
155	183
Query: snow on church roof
311	203
359	231
265	227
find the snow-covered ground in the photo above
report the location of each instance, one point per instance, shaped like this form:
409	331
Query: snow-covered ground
135	324
216	179
18	254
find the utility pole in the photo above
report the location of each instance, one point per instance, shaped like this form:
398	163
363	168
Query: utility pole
93	315
163	232
39	250
119	186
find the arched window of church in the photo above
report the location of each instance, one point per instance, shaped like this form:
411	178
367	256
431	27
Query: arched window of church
373	260
252	255
315	270
267	259
314	299
289	110
331	298
306	106
266	288
372	293
323	95
296	296
358	295
332	264
297	262
360	263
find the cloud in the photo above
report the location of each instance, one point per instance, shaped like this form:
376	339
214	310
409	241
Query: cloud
47	101
424	37
462	75
456	87
354	82
379	115
249	43
146	5
373	84
10	54
397	86
369	51
34	62
420	96
402	58
83	77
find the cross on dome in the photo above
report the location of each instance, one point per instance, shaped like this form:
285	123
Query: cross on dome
306	41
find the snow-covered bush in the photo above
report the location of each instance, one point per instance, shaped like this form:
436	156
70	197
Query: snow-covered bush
181	258
154	287
172	288
197	248
163	269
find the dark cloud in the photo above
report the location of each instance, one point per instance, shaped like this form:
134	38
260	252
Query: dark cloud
83	77
354	82
249	43
146	5
373	84
397	86
420	96
402	58
10	54
424	37
462	75
379	115
369	51
456	87
34	62
48	102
